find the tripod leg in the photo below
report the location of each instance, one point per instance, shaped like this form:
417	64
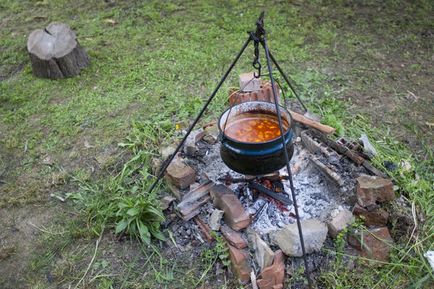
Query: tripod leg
167	163
279	117
287	81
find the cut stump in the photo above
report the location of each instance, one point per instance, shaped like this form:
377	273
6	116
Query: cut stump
55	52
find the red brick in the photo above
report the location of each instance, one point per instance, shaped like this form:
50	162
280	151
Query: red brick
239	264
233	237
180	174
374	244
376	217
273	276
235	215
372	189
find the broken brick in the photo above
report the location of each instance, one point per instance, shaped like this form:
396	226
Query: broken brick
372	189
235	215
371	218
239	264
374	244
272	277
233	237
180	174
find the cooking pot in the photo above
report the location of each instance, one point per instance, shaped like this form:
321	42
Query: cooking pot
255	158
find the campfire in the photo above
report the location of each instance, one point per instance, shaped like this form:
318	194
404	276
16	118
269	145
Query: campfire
273	183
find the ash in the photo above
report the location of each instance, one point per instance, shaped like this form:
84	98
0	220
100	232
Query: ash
316	196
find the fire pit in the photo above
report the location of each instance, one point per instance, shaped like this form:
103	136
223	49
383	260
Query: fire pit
323	177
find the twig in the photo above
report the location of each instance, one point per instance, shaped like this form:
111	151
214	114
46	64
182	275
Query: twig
91	261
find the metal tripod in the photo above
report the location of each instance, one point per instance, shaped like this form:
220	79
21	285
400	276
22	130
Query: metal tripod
258	37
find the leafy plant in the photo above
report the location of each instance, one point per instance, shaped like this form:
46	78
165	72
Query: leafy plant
139	217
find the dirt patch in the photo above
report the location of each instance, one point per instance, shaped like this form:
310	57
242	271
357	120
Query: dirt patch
21	228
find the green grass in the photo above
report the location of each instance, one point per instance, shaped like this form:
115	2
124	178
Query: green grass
352	63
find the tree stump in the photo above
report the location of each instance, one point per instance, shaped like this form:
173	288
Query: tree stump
55	52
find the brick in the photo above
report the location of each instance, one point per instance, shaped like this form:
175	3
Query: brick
374	244
273	276
233	237
265	93
239	264
180	174
376	217
235	215
373	189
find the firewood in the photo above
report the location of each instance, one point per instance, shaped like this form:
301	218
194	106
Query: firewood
55	52
339	148
312	123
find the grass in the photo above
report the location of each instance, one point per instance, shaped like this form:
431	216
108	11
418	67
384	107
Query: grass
152	64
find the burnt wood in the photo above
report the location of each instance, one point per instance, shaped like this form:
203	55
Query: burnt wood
55	52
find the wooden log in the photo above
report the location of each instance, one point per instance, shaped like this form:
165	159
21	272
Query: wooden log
312	123
55	52
339	148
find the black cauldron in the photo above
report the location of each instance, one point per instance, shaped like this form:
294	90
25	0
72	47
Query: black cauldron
258	158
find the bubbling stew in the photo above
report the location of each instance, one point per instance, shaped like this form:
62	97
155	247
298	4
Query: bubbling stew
254	127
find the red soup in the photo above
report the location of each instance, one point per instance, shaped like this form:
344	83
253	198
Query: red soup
254	128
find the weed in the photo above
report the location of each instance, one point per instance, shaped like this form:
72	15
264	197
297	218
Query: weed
139	217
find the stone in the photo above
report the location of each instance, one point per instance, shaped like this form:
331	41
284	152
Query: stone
253	280
263	254
373	189
167	151
239	264
233	237
180	174
287	238
155	166
376	217
248	82
211	134
374	244
339	222
429	255
273	276
190	145
166	201
214	219
368	148
235	215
